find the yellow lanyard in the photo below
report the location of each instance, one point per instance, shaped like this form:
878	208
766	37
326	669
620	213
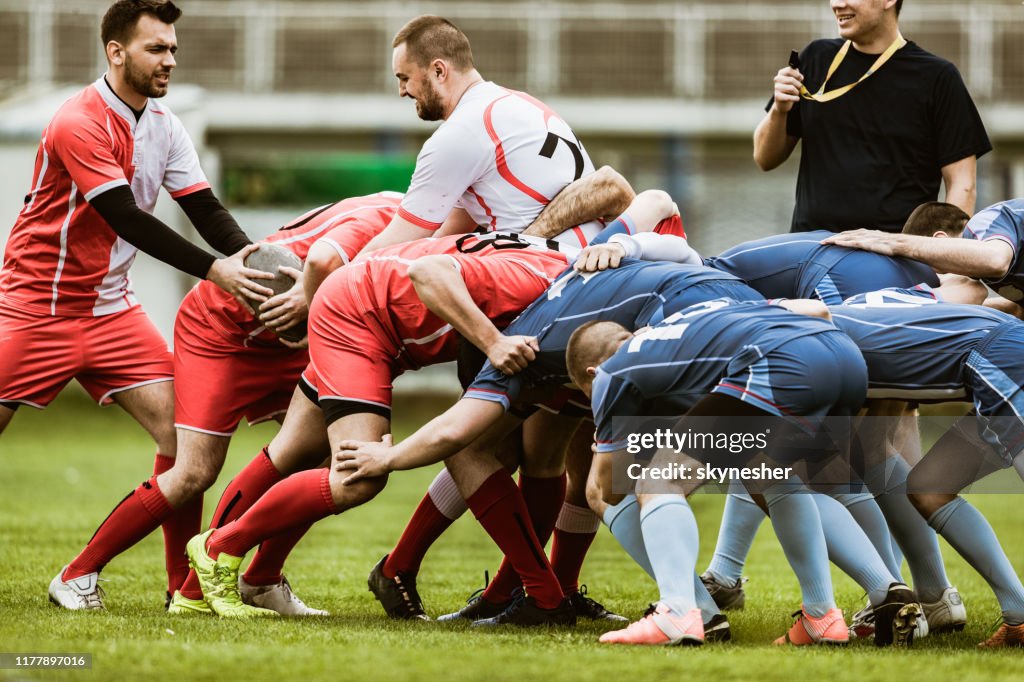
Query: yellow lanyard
822	96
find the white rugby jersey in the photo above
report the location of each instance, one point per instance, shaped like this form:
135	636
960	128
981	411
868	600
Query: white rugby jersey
62	258
502	156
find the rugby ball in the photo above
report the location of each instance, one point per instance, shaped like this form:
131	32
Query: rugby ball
268	258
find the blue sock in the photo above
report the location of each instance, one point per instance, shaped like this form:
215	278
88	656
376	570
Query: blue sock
850	549
708	607
917	539
740	520
897	553
797	524
869	517
970	534
672	541
623	520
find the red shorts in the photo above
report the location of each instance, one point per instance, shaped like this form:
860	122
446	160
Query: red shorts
220	380
107	354
351	359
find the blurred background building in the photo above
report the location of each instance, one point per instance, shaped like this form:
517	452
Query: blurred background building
293	103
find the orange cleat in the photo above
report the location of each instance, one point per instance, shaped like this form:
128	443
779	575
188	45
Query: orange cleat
829	629
1006	637
661	627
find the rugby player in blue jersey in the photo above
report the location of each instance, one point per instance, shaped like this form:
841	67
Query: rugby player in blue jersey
726	360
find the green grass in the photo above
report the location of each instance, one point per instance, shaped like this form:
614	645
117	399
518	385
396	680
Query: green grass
63	469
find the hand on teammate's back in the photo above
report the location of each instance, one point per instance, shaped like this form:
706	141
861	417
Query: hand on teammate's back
511	354
599	257
231	275
787	88
866	240
287	309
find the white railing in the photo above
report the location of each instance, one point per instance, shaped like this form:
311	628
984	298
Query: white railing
669	50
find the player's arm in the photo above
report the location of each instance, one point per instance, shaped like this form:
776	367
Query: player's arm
437	440
149	234
772	143
631	236
440	286
457	222
989	259
321	260
960	179
960	289
603	193
398	231
1004	305
806	306
215	225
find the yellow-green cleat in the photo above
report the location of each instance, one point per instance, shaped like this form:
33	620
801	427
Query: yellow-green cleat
219	580
183	606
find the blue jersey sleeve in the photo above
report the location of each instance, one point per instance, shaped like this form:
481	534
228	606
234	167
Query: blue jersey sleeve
1003	221
490	384
613	397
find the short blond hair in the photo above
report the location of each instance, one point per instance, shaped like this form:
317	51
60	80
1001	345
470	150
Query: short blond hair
590	345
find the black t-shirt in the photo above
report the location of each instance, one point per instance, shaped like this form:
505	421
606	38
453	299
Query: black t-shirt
874	154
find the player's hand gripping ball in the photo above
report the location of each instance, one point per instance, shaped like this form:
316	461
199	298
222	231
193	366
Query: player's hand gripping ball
268	258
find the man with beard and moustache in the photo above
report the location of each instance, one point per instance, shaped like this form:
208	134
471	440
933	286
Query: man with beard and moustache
67	309
499	156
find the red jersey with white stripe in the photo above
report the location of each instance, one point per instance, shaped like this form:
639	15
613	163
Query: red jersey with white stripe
501	156
503	275
62	258
347	226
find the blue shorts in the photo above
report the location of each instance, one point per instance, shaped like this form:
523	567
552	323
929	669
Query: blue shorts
994	374
809	376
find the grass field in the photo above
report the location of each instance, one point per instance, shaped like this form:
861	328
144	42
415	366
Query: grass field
62	470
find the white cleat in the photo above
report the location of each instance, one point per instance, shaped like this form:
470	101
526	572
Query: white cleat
277	597
82	593
948	614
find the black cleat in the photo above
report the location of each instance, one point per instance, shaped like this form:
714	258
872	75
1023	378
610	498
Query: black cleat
896	617
586	607
717	629
524	612
397	595
476	608
727	597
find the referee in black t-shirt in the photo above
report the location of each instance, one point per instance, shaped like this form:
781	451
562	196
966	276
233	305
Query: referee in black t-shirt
882	121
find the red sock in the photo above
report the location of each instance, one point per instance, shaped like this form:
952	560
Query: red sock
567	554
134	518
268	562
242	492
296	502
501	510
179	528
424	528
543	497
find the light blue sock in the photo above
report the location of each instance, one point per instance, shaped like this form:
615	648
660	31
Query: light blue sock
970	534
797	524
915	537
740	520
623	520
672	541
869	517
897	553
707	605
851	550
